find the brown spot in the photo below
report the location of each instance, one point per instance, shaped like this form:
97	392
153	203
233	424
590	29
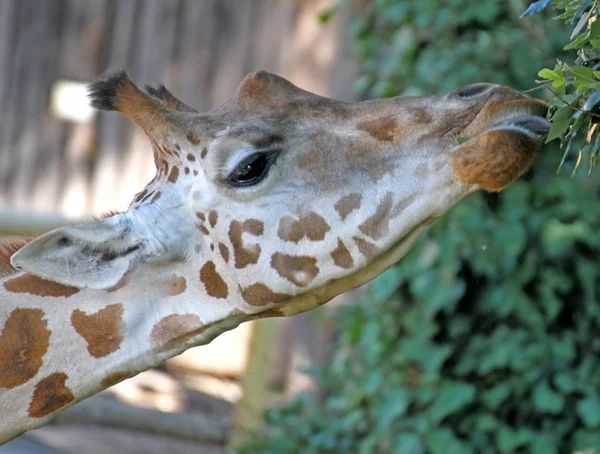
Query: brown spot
234	312
177	147
29	283
259	295
103	330
203	152
212	218
245	255
212	280
201	216
49	395
23	343
311	226
377	225
193	138
175	330
382	129
369	250
212	247
170	286
195	173
224	252
341	256
156	197
116	377
186	170
191	157
174	175
203	229
301	270
420	116
347	205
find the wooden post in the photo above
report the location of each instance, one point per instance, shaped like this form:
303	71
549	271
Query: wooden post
250	409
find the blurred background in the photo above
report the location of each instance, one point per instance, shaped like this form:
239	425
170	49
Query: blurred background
483	340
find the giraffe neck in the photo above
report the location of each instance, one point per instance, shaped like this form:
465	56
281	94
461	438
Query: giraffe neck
60	344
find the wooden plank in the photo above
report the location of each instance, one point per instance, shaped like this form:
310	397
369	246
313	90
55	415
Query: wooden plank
193	52
82	39
31	93
10	102
111	129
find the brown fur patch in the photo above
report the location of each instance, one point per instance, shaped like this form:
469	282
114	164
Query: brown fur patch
369	250
49	395
201	216
213	282
347	205
203	229
301	270
310	226
259	294
23	343
212	218
116	377
494	159
203	152
174	175
382	129
169	286
190	157
245	255
341	256
193	138
175	330
377	225
102	330
29	283
224	252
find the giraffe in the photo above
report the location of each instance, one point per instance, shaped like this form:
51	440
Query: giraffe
269	205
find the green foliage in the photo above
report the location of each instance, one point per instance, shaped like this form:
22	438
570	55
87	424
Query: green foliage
575	108
484	339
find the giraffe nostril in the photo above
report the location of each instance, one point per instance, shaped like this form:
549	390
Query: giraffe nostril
474	90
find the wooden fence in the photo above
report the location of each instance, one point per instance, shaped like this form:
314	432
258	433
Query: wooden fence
200	48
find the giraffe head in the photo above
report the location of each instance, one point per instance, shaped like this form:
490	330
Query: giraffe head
280	199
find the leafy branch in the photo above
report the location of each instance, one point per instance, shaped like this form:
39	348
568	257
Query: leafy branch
575	107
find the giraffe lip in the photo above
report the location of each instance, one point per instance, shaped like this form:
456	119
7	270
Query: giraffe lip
534	124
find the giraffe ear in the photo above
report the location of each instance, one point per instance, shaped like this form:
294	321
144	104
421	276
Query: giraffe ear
95	255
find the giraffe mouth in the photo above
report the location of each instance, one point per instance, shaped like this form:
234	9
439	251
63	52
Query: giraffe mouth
502	152
535	126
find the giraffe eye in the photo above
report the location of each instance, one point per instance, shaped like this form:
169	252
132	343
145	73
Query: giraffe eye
251	170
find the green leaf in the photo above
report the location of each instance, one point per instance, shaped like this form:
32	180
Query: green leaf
546	400
552	74
560	122
443	441
589	411
452	396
